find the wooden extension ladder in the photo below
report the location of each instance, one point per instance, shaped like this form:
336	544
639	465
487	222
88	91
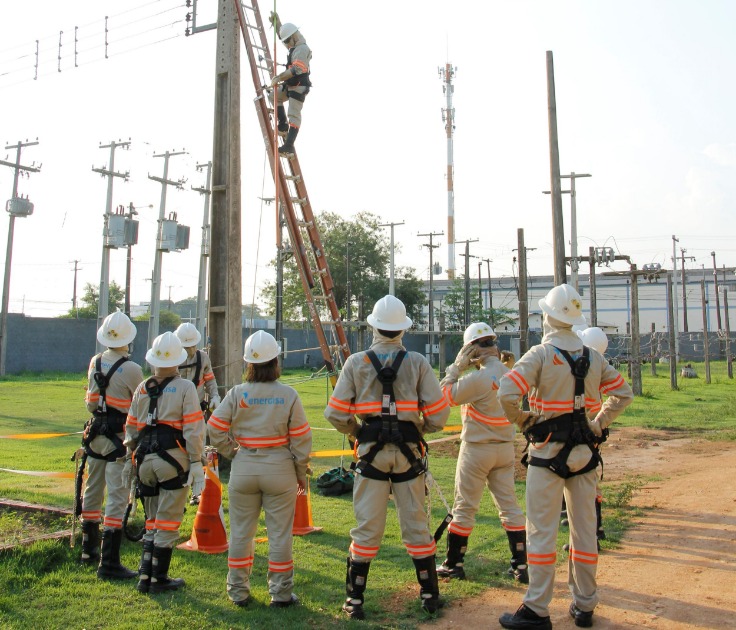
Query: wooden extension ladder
292	191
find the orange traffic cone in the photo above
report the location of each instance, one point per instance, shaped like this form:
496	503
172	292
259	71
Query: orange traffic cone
303	523
208	533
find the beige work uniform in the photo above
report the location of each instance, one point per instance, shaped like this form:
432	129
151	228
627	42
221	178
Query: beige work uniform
487	451
101	473
544	374
300	57
206	382
262	427
178	408
419	400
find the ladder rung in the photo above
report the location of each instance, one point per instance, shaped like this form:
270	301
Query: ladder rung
294	178
299	200
245	6
323	272
264	68
261	48
306	224
254	27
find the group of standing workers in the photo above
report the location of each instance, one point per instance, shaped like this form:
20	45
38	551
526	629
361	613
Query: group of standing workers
386	400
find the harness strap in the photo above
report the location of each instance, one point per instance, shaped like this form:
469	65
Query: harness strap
198	364
102	419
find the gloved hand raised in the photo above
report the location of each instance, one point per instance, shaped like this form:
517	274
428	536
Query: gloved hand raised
508	359
465	356
196	478
273	17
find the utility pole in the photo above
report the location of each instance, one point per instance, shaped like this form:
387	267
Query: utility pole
671	330
706	348
558	231
74	295
715	289
448	117
488	262
674	298
156	281
348	288
480	285
523	299
204	251
728	333
129	258
111	174
17	207
391	289
467	277
591	282
225	304
431	247
684	288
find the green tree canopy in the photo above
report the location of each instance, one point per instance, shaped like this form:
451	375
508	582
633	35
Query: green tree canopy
90	301
453	308
368	249
166	319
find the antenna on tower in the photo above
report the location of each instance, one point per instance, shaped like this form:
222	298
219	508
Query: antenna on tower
447	73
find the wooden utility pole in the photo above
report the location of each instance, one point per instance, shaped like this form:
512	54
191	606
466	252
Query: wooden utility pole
558	231
523	300
671	331
225	292
706	348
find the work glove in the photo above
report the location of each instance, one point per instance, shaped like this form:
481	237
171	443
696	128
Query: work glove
196	478
595	427
529	419
273	17
464	357
508	359
276	80
214	403
128	473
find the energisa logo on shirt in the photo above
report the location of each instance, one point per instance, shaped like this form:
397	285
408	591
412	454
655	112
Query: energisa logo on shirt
251	402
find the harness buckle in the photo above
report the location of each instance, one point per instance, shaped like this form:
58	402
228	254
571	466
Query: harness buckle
580	402
149	420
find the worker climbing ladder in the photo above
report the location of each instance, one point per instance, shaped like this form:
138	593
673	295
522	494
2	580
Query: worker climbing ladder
292	192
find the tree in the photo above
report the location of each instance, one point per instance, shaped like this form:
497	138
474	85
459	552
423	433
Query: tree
368	250
91	299
166	319
453	308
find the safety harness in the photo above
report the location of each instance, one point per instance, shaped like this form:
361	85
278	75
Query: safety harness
159	438
198	365
106	421
387	429
571	428
298	80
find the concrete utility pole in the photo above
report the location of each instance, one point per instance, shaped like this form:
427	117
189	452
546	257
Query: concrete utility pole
480	284
591	282
674	298
201	318
671	330
523	299
488	262
706	346
156	281
430	322
684	288
558	231
16	206
448	117
467	277
74	295
391	290
225	286
111	174
715	289
728	333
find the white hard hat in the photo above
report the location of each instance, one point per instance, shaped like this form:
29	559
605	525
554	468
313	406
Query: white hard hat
188	335
166	351
287	30
116	331
477	331
595	338
389	313
260	347
563	303
580	327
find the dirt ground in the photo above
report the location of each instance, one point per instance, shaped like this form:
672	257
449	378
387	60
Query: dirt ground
676	568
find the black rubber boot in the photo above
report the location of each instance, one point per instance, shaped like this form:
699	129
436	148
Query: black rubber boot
583	618
517	545
355	579
283	123
90	543
110	566
288	146
600	533
453	566
145	567
160	580
429	590
524	618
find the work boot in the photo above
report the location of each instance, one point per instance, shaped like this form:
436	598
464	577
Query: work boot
144	569
110	566
292	601
563	514
90	543
517	545
283	123
160	580
583	618
288	146
524	618
355	579
453	566
429	590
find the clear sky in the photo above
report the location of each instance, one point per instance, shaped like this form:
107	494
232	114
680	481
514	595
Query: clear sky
645	103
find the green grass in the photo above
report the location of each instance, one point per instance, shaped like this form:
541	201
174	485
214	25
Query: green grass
43	586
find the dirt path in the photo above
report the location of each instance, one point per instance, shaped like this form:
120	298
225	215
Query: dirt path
676	568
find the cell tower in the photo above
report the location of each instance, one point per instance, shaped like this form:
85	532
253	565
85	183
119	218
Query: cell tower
448	117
